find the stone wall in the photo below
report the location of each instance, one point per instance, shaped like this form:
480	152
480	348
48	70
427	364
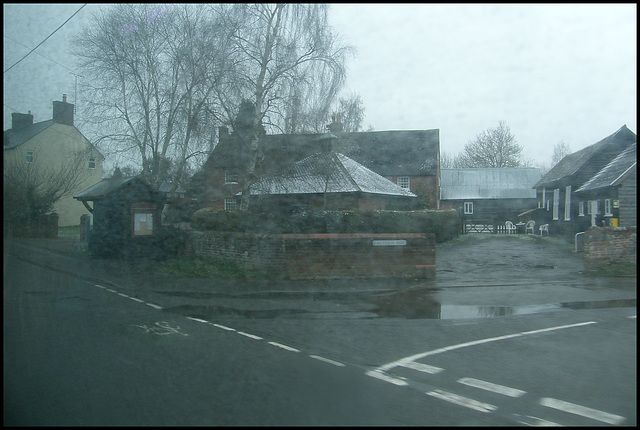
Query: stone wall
322	256
609	245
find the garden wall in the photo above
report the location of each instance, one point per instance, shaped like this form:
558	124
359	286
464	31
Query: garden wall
322	256
609	245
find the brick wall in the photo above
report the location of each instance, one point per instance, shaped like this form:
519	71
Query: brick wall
607	245
322	256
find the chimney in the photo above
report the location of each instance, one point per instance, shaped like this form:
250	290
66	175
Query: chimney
336	126
21	120
63	111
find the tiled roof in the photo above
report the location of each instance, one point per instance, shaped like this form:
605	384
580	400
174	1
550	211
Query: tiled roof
573	162
488	183
13	138
329	172
388	153
613	172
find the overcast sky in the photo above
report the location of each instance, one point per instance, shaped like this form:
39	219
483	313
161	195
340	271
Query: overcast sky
551	72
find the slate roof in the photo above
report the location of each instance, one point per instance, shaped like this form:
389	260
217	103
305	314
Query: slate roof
105	187
388	153
14	138
488	183
329	172
571	163
614	172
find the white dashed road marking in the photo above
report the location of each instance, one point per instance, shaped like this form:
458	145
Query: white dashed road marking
279	345
383	376
571	408
224	327
252	336
153	306
488	386
422	367
462	401
326	360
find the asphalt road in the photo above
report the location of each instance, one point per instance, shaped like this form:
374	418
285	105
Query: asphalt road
82	352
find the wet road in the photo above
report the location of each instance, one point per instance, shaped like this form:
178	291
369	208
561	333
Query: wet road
82	353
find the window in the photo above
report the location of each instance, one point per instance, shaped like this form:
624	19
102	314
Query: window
567	203
593	207
468	208
29	157
607	208
92	163
143	223
403	181
556	203
581	209
230	204
230	177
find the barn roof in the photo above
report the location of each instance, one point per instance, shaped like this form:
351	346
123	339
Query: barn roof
329	172
571	163
488	183
614	172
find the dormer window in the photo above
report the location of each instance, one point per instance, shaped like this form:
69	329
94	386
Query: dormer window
29	156
92	163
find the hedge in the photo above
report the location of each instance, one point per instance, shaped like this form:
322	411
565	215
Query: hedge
444	224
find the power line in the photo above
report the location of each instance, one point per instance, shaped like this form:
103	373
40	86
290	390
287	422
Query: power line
43	56
46	38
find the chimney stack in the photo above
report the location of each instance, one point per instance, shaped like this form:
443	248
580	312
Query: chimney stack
63	111
21	120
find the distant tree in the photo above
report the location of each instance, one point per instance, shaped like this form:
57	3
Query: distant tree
350	113
494	147
560	150
446	160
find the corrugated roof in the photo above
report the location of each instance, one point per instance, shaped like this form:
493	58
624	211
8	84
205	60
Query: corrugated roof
13	138
612	172
488	183
571	163
329	172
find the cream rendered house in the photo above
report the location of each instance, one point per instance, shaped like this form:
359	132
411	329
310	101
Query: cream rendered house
50	145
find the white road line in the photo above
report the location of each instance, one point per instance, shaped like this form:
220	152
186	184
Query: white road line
252	336
538	422
383	376
224	327
571	408
99	286
404	361
136	300
110	290
123	295
422	367
462	401
153	306
488	386
326	360
199	320
279	345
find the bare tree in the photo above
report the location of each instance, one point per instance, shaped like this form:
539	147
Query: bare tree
446	160
494	147
31	191
350	113
152	71
560	150
282	54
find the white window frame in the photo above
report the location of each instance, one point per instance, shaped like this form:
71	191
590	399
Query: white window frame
581	208
556	204
567	203
608	207
404	182
92	163
230	176
29	157
230	204
468	208
143	224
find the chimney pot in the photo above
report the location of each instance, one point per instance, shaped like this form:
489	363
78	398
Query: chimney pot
64	98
